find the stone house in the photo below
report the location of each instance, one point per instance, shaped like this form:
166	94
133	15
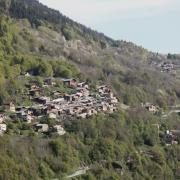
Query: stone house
20	114
3	128
72	83
176	136
85	92
91	112
150	107
57	94
34	87
59	130
50	82
81	115
102	107
9	106
112	109
103	89
42	100
114	100
28	118
2	118
70	111
58	100
170	138
42	127
167	66
38	111
83	85
34	92
52	115
68	97
27	74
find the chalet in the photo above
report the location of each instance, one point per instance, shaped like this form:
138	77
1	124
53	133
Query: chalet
59	130
53	107
68	97
20	109
42	100
52	115
82	115
118	167
27	74
28	118
58	100
83	85
150	107
85	92
34	92
167	66
102	107
9	106
3	128
169	139
38	111
72	83
112	109
57	94
70	111
42	127
34	87
50	82
113	100
172	136
2	118
78	109
108	95
103	89
20	113
91	112
79	94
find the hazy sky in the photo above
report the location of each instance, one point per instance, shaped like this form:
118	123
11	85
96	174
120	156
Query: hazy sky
154	24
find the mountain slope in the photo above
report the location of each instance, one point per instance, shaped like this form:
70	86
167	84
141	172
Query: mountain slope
123	66
128	144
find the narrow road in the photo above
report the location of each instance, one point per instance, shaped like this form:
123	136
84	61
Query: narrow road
176	106
79	172
172	111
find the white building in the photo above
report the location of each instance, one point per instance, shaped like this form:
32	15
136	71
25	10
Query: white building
3	128
59	130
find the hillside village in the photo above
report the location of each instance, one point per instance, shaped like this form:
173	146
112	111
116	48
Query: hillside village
166	65
76	104
82	103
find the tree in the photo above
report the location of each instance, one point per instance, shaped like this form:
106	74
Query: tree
45	69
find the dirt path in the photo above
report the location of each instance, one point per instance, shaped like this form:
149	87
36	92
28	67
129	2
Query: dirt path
79	172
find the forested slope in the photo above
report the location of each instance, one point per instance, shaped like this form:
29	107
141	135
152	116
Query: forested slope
123	145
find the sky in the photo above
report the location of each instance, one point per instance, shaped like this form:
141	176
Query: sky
153	24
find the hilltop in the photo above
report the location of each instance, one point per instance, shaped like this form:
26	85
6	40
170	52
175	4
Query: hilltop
139	139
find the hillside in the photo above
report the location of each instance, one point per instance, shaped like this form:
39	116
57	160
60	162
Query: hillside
126	144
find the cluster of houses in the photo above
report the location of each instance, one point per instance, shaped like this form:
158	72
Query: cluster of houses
164	66
167	67
80	104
